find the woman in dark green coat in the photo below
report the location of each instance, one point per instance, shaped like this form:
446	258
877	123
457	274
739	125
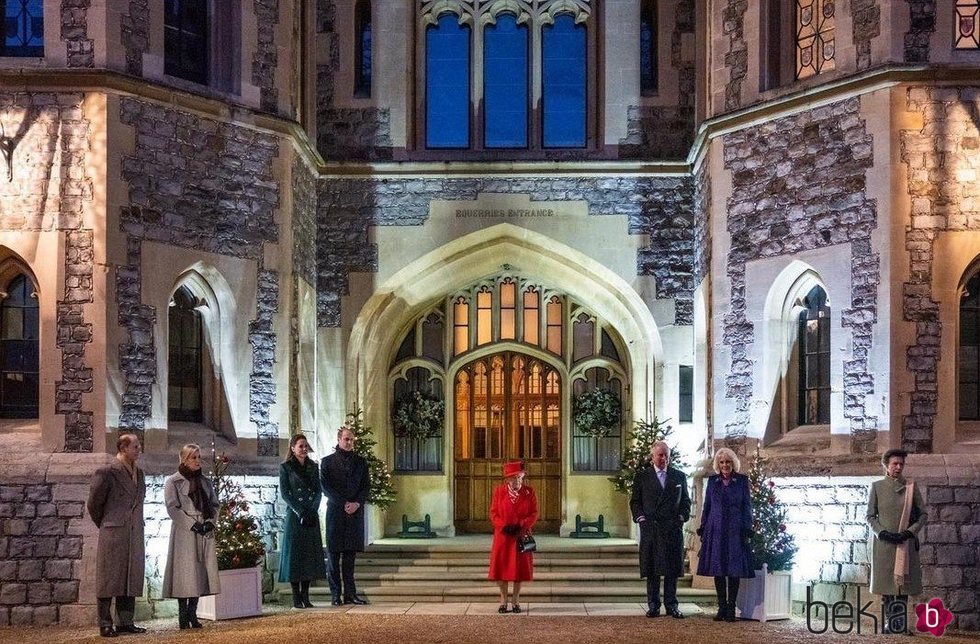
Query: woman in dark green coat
301	561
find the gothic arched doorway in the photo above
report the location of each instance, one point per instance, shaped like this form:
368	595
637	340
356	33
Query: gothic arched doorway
508	406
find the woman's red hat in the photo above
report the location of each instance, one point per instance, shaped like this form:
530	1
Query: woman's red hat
512	468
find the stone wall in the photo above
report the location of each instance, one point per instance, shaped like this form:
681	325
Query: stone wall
737	57
304	222
922	17
798	183
51	143
666	132
261	384
656	206
201	184
74	31
344	134
135	28
866	26
266	58
941	201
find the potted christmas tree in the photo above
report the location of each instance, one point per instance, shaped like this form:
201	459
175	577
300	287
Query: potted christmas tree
240	552
767	597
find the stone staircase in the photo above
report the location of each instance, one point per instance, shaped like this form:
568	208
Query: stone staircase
565	570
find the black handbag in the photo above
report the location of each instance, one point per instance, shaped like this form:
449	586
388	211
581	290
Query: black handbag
526	543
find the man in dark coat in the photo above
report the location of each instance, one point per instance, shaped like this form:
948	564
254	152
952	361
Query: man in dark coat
660	505
346	483
115	503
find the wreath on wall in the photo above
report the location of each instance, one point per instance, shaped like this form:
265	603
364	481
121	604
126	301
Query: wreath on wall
596	413
418	415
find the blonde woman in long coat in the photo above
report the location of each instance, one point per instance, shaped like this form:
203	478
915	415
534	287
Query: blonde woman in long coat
192	561
896	515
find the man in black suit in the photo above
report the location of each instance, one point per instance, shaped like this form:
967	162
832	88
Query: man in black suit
346	482
660	505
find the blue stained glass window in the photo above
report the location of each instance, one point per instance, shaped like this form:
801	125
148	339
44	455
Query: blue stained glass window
648	47
564	83
23	28
505	83
447	80
362	66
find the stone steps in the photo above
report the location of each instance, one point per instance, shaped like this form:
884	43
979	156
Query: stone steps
456	571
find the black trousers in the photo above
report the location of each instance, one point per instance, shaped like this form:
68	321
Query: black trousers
653	592
342	570
125	610
895	609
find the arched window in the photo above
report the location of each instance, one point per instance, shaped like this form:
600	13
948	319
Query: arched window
418	454
506	75
563	73
185	390
447	73
813	339
19	349
591	454
505	85
23	28
969	358
362	49
648	48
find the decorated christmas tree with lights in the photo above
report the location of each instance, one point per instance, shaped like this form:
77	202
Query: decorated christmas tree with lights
771	543
382	492
636	455
236	534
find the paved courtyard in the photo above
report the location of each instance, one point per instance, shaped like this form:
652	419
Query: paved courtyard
464	622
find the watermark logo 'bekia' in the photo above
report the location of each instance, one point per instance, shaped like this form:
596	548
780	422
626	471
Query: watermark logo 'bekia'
932	617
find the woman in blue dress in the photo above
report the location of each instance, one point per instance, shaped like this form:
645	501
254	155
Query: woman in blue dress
726	532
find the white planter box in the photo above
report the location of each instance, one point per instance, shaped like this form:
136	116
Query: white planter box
765	598
240	596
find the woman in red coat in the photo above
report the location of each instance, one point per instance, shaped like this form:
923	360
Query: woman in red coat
513	511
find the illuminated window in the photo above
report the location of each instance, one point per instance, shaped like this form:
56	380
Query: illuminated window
814	347
508	310
484	317
23	28
532	316
554	325
814	37
965	34
461	326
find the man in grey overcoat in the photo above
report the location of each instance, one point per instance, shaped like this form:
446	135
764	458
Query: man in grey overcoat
896	515
660	505
346	483
115	503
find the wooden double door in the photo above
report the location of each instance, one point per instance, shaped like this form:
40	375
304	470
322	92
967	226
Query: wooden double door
508	406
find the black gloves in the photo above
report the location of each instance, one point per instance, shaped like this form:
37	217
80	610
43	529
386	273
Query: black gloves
209	527
891	537
699	531
511	529
906	535
198	528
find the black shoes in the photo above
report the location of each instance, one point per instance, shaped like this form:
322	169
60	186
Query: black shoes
107	631
131	629
336	601
653	612
516	608
503	609
354	599
676	614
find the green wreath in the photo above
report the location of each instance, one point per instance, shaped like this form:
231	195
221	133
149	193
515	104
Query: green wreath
596	413
418	415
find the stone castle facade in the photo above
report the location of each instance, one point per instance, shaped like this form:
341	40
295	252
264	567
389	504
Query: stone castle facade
727	172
